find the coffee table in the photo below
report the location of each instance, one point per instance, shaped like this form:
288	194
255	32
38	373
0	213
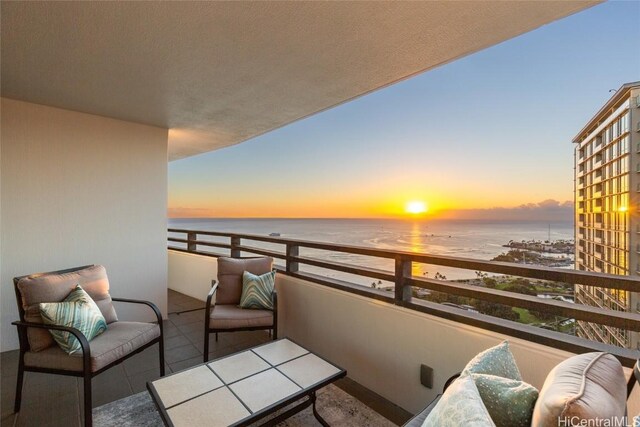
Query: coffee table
243	388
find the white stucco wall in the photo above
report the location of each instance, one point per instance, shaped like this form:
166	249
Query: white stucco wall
81	189
191	274
382	346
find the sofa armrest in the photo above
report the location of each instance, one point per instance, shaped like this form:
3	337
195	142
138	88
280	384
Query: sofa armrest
209	305
419	418
84	343
212	291
149	304
633	379
274	295
450	381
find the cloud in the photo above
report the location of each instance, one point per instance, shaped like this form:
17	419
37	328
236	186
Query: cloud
182	212
546	210
549	204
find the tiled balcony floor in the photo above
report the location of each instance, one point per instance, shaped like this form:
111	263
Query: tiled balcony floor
55	400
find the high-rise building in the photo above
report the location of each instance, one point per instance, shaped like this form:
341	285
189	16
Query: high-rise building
607	208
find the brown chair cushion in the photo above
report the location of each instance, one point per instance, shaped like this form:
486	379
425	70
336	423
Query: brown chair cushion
586	386
230	276
55	288
231	317
119	340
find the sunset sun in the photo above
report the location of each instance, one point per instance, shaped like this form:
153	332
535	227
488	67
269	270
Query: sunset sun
416	207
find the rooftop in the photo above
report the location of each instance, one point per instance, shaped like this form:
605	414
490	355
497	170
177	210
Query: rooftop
609	107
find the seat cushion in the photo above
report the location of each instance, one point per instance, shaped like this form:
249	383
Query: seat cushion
584	387
230	276
119	340
231	317
55	288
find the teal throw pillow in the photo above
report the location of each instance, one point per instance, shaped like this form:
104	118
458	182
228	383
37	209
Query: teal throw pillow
257	290
460	405
509	402
77	310
496	361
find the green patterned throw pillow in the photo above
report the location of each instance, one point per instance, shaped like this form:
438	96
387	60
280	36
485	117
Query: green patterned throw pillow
496	361
77	310
509	402
460	405
257	290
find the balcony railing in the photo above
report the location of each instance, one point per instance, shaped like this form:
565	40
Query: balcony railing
404	283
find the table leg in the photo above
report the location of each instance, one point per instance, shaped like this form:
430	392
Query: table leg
315	412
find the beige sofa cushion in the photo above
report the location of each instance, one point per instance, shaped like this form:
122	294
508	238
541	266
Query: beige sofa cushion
583	387
231	317
119	340
230	276
55	288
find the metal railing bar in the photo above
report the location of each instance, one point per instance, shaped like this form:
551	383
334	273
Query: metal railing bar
260	251
627	283
618	319
346	268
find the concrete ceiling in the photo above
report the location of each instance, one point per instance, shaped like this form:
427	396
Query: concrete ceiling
219	73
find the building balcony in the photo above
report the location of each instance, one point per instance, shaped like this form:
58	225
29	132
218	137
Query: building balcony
380	336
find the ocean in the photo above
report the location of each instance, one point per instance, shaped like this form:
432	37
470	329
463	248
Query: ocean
461	238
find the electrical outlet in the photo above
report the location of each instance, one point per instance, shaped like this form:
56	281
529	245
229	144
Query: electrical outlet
426	376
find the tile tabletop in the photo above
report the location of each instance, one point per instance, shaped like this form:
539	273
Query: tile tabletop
278	352
178	388
218	408
251	390
241	386
308	370
238	366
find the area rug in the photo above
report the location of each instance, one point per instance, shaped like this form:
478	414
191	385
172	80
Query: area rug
336	407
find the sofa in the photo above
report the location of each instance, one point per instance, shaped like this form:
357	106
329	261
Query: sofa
582	390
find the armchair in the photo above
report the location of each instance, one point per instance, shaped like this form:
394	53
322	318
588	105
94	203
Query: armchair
223	313
38	351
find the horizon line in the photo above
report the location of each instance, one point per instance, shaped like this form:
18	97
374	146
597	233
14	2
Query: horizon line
383	218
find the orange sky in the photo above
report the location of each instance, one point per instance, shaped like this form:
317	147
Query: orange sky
311	193
393	208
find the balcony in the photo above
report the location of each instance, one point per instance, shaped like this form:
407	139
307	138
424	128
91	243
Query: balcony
380	336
